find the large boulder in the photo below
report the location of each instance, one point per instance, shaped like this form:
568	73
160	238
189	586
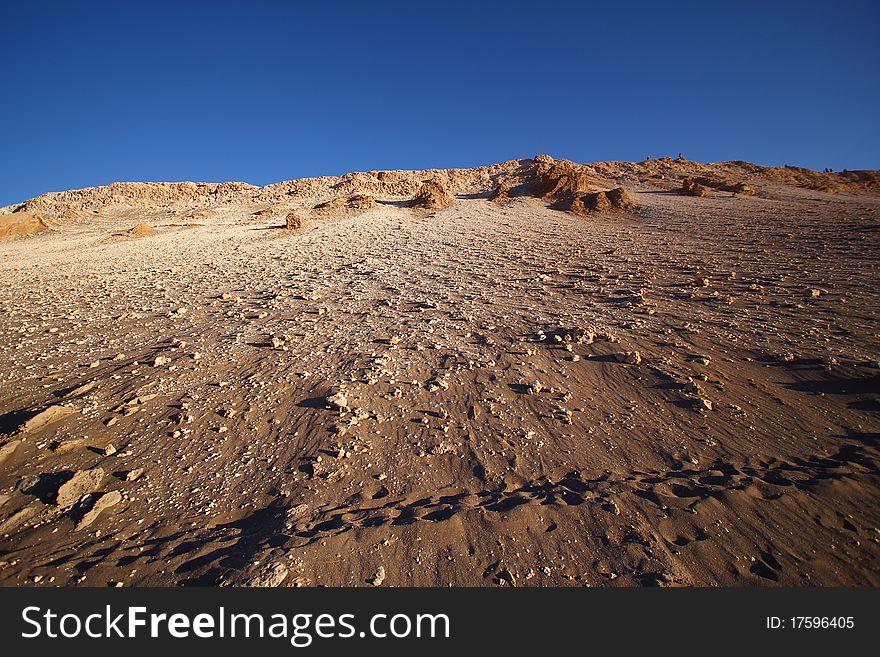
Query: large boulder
431	196
293	221
560	180
690	187
501	193
616	199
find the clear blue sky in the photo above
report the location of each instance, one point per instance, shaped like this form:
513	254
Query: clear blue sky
262	91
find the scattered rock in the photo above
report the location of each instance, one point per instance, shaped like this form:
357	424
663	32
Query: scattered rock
140	399
82	483
44	418
103	503
629	357
702	404
338	401
611	507
134	475
692	387
269	576
296	512
17	518
743	188
503	577
436	384
8	449
81	390
567	335
690	187
379	578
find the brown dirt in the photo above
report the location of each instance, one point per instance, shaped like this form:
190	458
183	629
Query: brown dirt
685	394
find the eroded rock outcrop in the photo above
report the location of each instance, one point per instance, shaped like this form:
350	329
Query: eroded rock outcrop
432	195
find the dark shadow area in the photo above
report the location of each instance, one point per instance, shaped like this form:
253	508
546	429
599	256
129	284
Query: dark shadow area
47	485
839	385
11	421
313	402
262	529
278	227
863	437
606	358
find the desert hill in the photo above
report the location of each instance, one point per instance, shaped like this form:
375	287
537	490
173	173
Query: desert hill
525	175
526	374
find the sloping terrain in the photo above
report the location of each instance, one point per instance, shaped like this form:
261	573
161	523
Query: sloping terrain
20	224
498	392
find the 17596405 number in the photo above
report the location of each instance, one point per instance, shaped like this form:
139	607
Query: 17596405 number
811	623
822	622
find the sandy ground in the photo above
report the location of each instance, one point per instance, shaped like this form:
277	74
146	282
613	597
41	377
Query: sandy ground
687	395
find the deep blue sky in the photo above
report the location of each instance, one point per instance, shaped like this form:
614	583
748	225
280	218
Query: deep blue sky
261	91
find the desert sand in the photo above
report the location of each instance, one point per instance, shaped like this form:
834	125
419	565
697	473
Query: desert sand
534	373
